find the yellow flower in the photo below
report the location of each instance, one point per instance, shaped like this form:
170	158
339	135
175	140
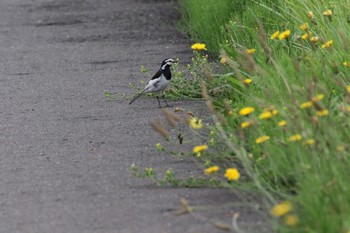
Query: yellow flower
198	46
281	209
307	104
211	170
295	137
323	112
199	149
245	124
232	174
224	60
251	51
304	26
262	139
212	141
275	35
291	220
328	13
159	146
310	14
265	115
346	63
282	123
317	97
305	36
247	81
274	112
309	142
246	111
348	89
327	44
340	148
314	39
196	123
284	35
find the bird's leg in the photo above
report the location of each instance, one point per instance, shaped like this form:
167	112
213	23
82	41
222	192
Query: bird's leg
163	96
158	101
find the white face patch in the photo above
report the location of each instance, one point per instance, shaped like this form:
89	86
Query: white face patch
169	62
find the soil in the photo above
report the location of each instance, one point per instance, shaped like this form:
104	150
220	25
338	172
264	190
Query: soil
66	150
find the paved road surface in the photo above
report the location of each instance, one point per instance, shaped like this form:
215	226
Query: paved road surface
65	151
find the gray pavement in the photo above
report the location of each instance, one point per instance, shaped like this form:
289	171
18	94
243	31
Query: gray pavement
65	151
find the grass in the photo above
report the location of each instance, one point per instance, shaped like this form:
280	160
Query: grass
295	144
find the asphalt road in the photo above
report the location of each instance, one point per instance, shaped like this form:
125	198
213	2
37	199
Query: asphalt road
65	150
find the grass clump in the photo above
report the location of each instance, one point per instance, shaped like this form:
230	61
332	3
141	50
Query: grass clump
289	127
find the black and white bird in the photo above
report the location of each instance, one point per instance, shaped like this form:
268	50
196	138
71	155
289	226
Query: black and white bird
159	81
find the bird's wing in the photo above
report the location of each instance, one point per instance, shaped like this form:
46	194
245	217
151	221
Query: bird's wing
157	75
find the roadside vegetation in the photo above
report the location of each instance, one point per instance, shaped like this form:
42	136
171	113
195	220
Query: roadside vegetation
280	105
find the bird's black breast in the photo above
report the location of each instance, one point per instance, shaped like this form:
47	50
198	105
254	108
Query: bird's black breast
167	74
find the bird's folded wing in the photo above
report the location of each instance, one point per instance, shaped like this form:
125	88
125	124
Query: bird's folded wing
157	75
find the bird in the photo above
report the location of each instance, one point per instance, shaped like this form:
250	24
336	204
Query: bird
158	82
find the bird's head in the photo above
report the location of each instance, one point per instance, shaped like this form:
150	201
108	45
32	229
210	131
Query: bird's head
167	63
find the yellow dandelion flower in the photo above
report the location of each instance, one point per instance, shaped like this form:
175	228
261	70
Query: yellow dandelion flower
251	51
310	14
262	139
198	46
340	148
211	170
275	35
304	26
317	97
284	35
323	112
307	104
199	149
212	141
158	146
246	111
195	123
282	123
247	81
328	13
291	220
314	39
295	137
245	124
327	44
281	209
348	89
224	60
346	63
232	174
274	112
265	115
305	36
309	142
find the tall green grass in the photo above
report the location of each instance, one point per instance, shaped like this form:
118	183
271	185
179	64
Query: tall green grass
304	83
207	21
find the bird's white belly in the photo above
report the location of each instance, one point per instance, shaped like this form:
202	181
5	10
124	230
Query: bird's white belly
156	85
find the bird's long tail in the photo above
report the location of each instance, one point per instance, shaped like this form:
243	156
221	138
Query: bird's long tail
137	96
